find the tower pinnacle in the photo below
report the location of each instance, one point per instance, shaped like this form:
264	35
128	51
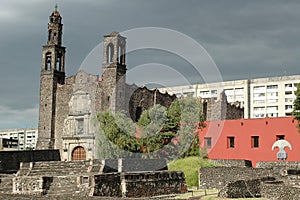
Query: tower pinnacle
55	8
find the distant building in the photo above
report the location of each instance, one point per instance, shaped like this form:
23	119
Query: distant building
250	139
26	138
8	144
260	97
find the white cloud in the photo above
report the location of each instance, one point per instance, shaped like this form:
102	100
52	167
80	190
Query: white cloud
18	118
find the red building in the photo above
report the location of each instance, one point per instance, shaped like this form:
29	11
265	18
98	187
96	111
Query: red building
250	139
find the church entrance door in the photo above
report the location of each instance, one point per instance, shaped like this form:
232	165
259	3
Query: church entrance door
78	153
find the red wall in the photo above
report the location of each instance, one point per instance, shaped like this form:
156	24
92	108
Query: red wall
242	130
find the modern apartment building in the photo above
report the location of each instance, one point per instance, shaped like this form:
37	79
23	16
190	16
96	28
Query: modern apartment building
260	97
26	138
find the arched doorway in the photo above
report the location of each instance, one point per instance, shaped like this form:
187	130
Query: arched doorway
78	153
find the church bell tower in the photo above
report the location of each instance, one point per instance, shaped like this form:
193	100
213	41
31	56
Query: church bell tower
52	75
114	72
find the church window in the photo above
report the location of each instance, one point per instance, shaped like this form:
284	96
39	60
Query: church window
79	126
110	52
58	62
48	61
122	55
54	36
50	35
119	54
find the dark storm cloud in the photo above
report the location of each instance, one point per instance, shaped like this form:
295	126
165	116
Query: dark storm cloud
246	39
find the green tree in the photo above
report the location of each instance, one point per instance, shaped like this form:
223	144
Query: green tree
296	110
162	132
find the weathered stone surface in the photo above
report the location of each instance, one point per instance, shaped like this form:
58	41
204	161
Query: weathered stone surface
218	177
241	189
140	184
280	192
87	178
276	181
220	109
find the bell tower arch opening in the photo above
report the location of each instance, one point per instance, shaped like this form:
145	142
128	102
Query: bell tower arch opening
114	72
114	49
110	53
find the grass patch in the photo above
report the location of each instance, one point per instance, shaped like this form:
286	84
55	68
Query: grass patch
190	167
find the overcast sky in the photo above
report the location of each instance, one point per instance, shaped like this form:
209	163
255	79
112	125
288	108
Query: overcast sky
246	39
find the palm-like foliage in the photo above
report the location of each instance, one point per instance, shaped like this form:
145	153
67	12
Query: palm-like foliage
296	110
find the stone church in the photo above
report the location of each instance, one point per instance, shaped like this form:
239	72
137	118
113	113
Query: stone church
68	105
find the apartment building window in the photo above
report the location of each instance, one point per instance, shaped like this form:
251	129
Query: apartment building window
289	100
204	93
261	94
288	107
260	109
288	92
272	115
272	94
207	142
270	87
259	112
230	142
239	90
272	108
258	88
259	101
259	115
272	100
239	96
288	85
254	141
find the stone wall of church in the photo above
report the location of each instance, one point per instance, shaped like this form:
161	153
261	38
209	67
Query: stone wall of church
142	99
64	93
76	100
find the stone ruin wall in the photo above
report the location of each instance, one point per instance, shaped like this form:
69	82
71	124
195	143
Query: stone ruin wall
218	177
89	178
140	184
274	180
220	109
145	99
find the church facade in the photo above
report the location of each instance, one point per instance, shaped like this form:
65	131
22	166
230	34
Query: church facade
69	105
